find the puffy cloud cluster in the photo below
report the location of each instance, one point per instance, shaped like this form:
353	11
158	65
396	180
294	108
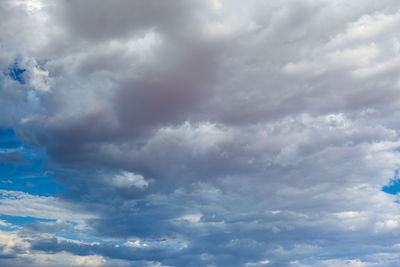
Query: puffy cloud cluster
204	133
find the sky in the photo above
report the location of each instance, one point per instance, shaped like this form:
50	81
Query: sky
199	133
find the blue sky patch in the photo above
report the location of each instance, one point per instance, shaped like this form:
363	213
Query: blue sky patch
15	72
394	187
8	139
21	168
21	221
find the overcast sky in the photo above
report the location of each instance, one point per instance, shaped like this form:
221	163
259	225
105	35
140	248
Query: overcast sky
199	133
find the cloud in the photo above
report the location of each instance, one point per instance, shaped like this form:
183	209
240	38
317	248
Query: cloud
127	179
220	133
16	203
16	251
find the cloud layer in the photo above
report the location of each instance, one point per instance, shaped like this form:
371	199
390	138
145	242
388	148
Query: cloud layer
203	133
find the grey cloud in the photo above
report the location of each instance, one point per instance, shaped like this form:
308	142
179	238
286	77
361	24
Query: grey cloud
265	130
13	157
91	21
49	227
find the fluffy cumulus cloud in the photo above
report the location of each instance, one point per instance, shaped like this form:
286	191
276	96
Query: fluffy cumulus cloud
200	133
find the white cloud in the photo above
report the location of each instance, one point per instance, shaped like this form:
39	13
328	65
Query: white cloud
12	244
260	263
136	244
16	203
127	179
